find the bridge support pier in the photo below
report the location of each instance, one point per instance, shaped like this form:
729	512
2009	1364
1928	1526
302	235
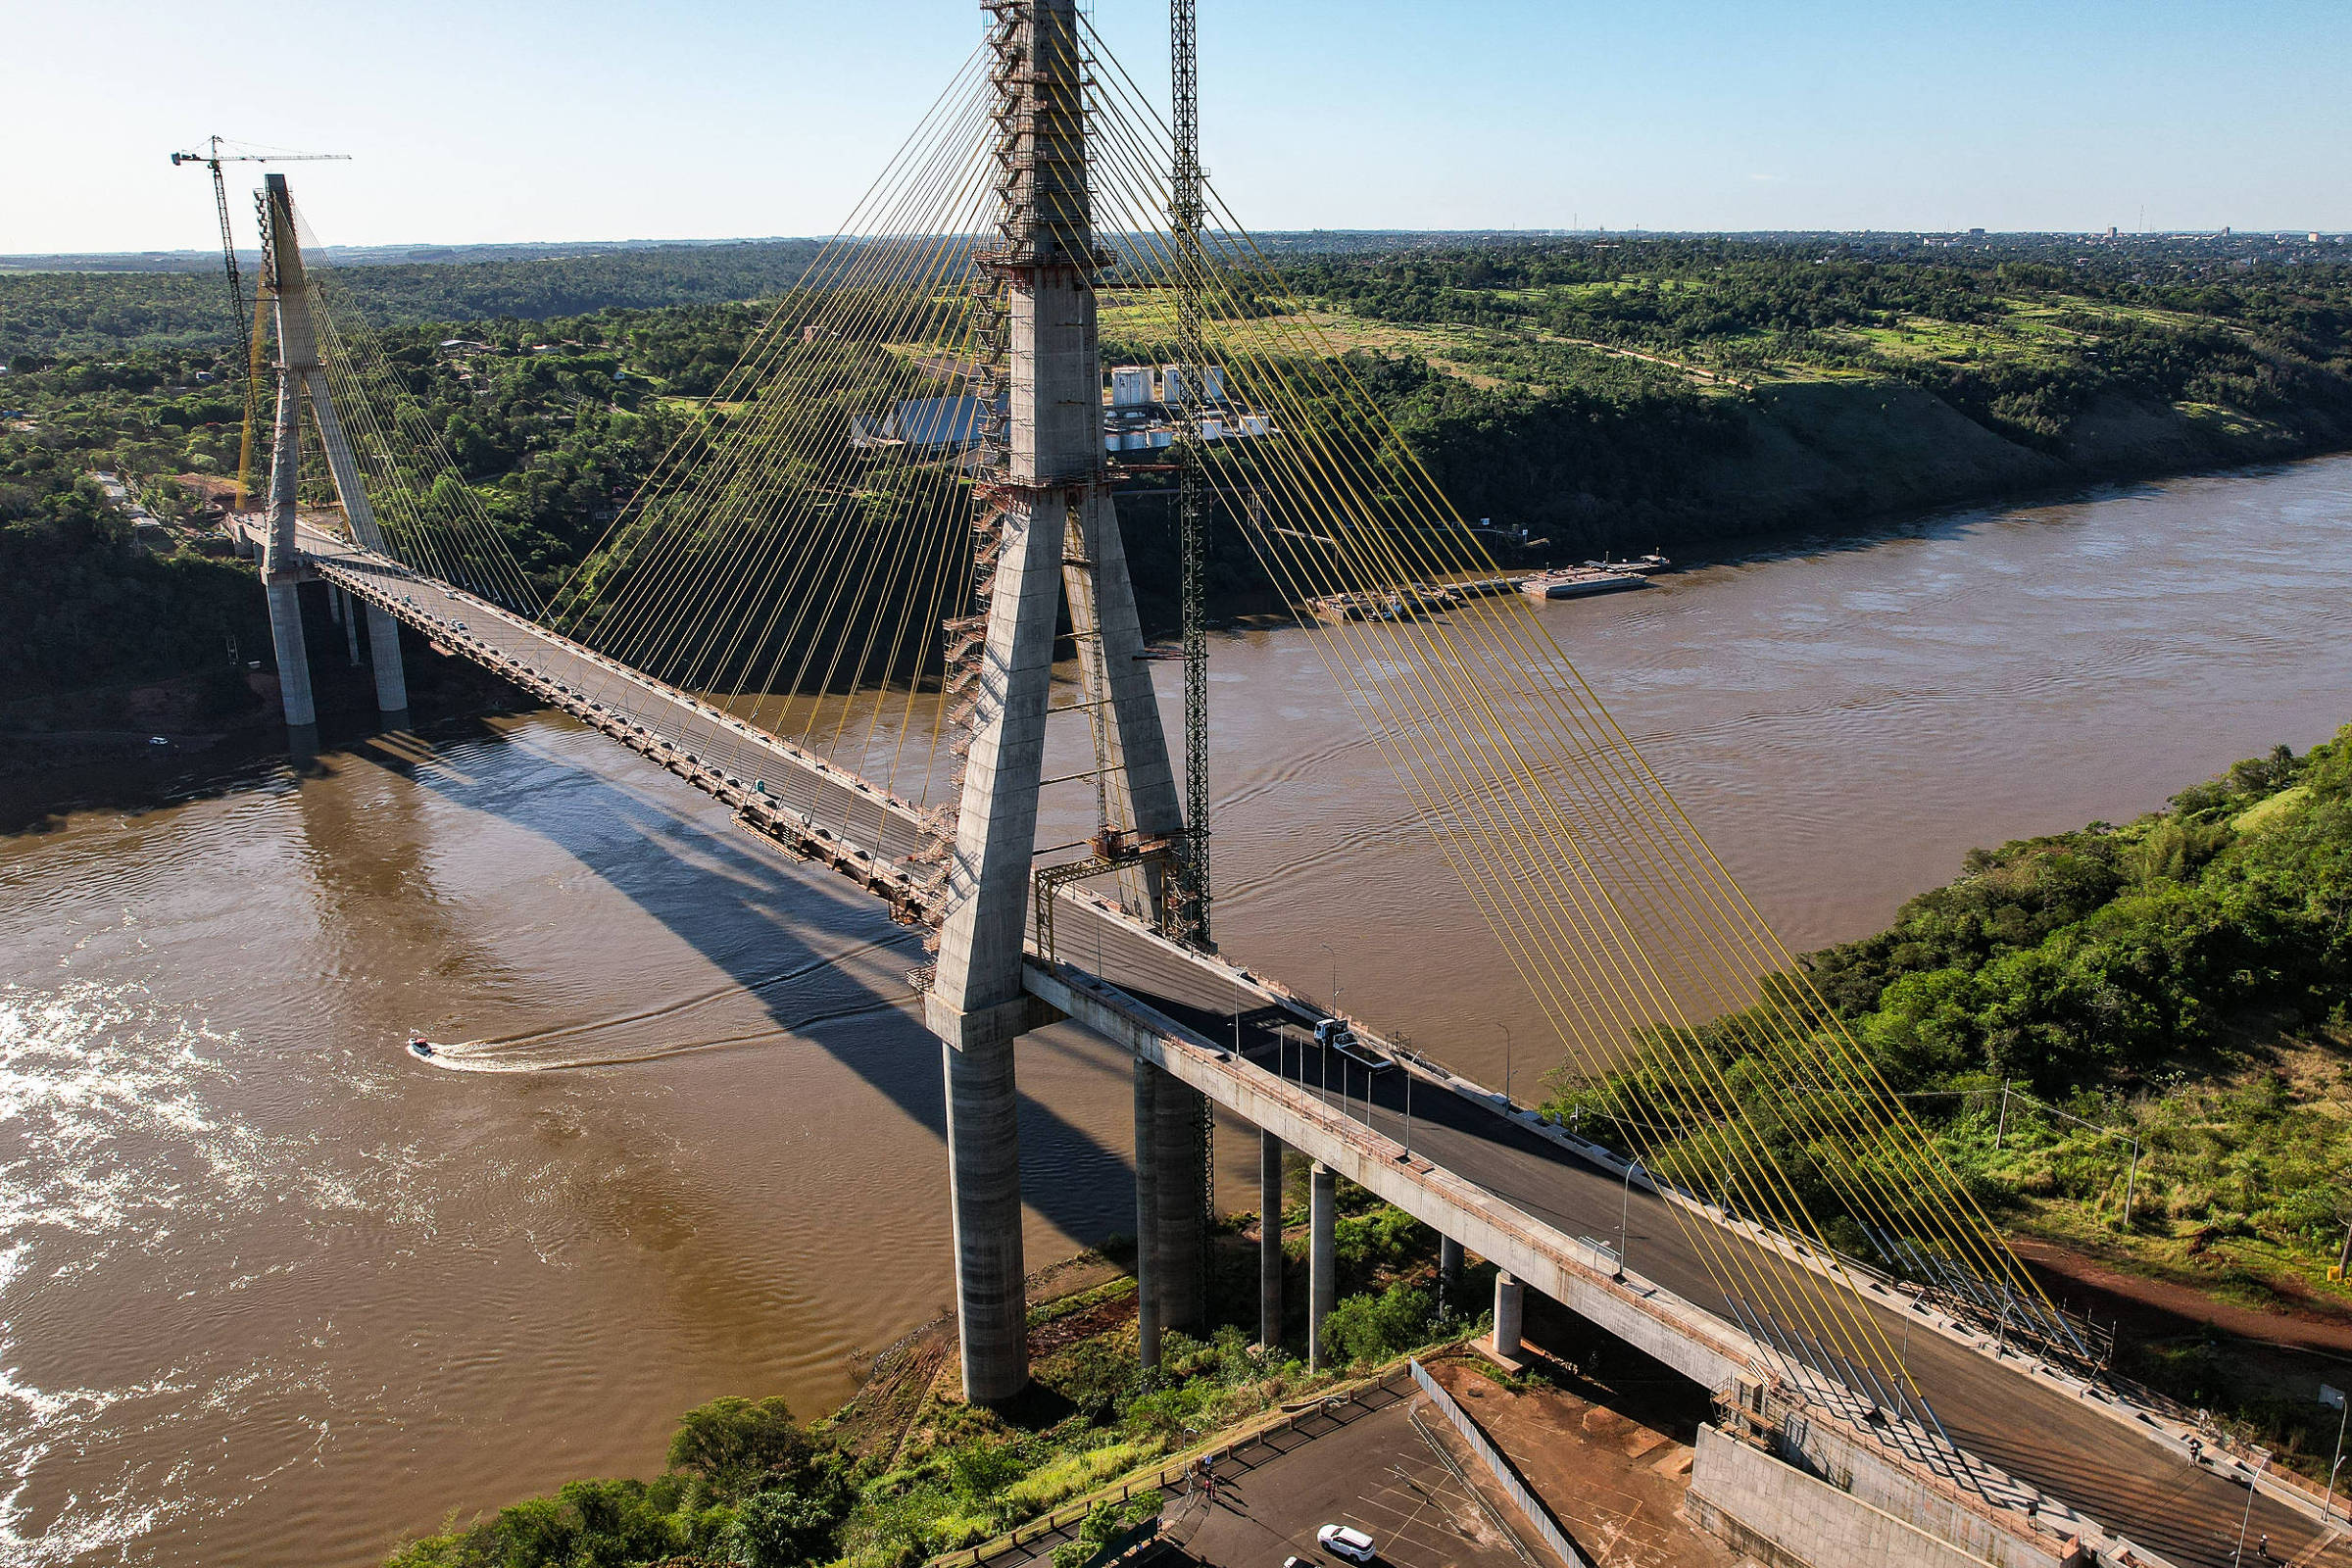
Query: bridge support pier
348	620
1323	1261
1269	1239
1449	1272
293	657
383	652
983	1192
1180	1117
1147	1080
1510	1317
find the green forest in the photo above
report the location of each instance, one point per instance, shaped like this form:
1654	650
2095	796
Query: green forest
2183	980
65	313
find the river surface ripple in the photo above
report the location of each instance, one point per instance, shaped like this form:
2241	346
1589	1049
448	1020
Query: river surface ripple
274	1293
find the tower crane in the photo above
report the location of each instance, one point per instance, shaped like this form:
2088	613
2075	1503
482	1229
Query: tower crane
212	157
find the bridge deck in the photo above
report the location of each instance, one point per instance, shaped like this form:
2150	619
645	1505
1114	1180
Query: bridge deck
1180	1006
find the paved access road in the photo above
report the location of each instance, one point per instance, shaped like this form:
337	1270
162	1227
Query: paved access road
1378	1473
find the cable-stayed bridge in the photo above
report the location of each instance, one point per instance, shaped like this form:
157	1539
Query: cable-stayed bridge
837	604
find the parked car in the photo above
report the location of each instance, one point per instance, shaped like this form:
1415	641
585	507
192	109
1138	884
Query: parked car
1346	1540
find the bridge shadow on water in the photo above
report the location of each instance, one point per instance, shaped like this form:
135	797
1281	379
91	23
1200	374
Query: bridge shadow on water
719	882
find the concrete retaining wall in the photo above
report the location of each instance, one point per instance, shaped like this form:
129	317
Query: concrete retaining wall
1871	1476
1787	1518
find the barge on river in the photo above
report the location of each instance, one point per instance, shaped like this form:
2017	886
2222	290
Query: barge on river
1578	582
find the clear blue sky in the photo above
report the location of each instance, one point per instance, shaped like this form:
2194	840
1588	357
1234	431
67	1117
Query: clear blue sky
489	121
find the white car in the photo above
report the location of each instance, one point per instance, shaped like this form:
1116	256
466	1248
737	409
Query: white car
1346	1540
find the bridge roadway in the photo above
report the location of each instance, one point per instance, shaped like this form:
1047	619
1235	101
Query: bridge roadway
1487	1168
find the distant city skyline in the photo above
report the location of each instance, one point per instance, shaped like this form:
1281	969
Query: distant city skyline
601	121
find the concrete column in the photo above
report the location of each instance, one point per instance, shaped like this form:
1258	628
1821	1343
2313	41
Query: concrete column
383	651
984	1196
281	561
1178	1114
1146	1214
351	623
996	824
976	1004
1323	1261
1139	745
1053	456
1449	1270
1269	1239
335	611
293	657
1511	1308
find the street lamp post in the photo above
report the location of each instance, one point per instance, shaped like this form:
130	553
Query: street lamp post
1625	1212
2343	1402
1507	1061
2248	1518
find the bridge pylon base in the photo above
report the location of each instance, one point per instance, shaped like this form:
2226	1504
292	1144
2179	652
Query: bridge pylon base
293	656
383	652
984	1189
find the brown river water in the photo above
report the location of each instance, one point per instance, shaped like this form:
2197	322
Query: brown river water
274	1293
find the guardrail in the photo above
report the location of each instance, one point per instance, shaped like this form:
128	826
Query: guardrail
1506	1474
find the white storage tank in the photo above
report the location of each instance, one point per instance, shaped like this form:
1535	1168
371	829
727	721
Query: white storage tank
1212	429
1212	377
1253	425
1130	385
1159	435
1172	384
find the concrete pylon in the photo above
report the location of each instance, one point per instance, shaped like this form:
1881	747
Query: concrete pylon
1449	1270
1056	529
301	377
281	563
